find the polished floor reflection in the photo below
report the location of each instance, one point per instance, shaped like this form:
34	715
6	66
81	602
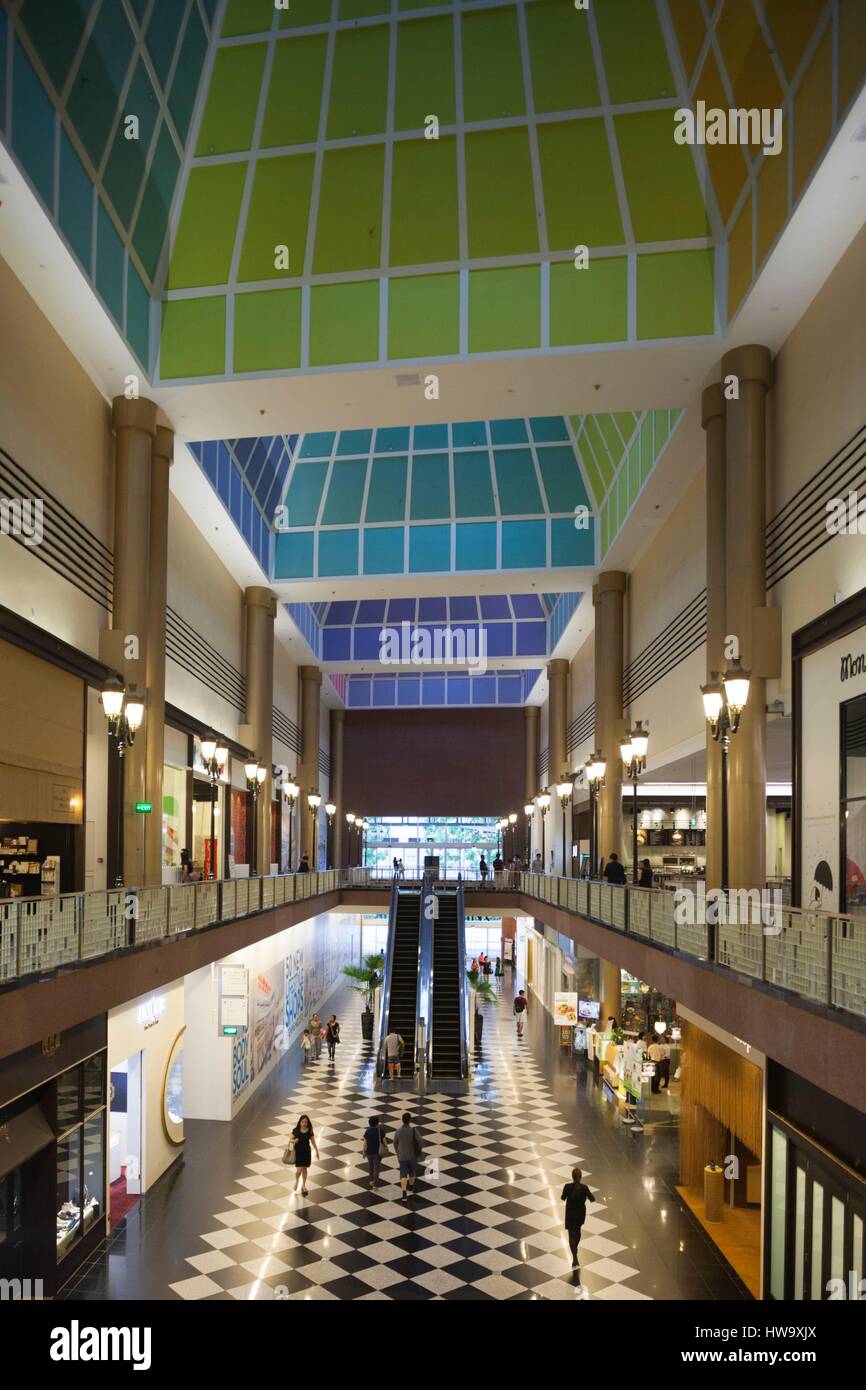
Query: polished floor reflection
485	1222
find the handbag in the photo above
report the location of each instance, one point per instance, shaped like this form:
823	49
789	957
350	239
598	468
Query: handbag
289	1152
383	1143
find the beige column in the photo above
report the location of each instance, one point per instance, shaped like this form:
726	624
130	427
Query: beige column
713	421
161	457
557	684
610	988
745	451
134	425
308	778
529	832
260	610
338	717
607	598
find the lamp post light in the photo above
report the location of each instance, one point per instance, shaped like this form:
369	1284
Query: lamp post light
724	702
512	821
596	766
633	750
214	756
314	801
563	791
291	791
542	801
255	774
330	812
124	710
350	821
529	811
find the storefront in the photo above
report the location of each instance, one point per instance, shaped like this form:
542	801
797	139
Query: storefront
175	800
829	661
52	1159
246	1011
43	723
145	1121
815	1196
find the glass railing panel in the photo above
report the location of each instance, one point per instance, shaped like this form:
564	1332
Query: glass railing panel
595	901
571	900
105	922
48	933
796	956
151	918
181	908
663	926
8	941
639	911
228	899
242	896
254	897
206	903
267	893
583	897
848	983
618	907
740	947
605	905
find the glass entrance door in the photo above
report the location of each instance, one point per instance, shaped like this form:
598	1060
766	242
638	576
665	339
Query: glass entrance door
817	1250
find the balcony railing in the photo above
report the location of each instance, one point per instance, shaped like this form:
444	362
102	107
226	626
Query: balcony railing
41	935
820	956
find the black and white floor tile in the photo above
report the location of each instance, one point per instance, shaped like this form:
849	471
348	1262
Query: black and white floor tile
486	1219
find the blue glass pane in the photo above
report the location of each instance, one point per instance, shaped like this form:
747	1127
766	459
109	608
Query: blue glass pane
354	442
293	555
76	203
549	429
392	441
469	434
138	316
338	552
430	437
429	549
383	550
508	431
33	127
109	264
318	446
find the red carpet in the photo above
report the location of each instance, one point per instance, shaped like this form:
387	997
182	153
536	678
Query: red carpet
120	1201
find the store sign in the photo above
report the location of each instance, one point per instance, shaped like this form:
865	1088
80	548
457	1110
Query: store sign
565	1009
150	1013
229	1030
234	1003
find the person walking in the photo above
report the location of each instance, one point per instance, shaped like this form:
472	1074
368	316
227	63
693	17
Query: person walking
645	878
665	1066
538	863
316	1036
394	1045
307	1045
304	866
302	1141
374	1147
575	1194
332	1036
521	1009
613	870
483	869
498	972
407	1147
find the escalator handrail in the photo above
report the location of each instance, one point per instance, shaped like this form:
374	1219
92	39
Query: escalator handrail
464	985
424	995
389	972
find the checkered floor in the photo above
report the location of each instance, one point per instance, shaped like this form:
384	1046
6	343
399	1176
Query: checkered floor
486	1220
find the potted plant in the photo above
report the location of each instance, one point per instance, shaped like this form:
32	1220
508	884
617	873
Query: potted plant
482	993
368	978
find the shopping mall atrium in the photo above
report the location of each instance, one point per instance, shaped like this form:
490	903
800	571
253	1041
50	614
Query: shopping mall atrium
433	651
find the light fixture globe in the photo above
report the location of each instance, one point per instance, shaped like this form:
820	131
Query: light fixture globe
261	774
134	712
222	756
314	800
737	681
351	817
330	809
713	698
660	1027
208	747
112	698
512	819
639	740
626	749
543	801
529	808
251	768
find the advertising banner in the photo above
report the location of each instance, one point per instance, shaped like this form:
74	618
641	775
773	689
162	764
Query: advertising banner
565	1009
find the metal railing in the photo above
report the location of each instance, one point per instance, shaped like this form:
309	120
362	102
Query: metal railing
819	956
41	935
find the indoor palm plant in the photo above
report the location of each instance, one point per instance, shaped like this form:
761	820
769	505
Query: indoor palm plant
367	978
482	993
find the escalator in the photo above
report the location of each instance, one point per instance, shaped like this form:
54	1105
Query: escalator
447	1039
401	983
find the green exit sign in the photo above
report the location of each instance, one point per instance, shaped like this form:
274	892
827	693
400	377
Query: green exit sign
145	807
229	1030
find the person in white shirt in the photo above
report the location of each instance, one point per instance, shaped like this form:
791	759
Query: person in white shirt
393	1049
655	1052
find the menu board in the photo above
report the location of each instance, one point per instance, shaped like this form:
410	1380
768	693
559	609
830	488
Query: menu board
565	1009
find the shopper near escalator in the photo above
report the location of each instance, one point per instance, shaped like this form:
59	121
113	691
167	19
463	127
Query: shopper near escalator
575	1194
332	1036
374	1147
301	1142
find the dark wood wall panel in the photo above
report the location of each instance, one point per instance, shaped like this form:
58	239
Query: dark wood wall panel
434	762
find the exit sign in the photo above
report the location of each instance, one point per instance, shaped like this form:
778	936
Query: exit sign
229	1030
145	807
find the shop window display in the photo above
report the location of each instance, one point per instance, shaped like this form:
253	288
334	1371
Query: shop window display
854	805
80	1151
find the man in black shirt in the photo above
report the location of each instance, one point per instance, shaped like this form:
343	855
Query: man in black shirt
613	870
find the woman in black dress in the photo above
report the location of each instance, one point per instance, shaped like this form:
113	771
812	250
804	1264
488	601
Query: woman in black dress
303	1139
332	1035
575	1194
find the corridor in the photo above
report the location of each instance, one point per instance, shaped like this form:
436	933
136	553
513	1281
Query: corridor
486	1220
